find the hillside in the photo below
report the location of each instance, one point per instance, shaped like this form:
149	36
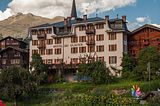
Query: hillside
18	24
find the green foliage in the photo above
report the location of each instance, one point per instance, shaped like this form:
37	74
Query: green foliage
15	82
39	69
148	54
97	71
128	64
87	94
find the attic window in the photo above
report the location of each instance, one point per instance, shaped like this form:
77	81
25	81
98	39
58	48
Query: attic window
112	25
158	39
146	40
99	26
49	30
118	25
151	30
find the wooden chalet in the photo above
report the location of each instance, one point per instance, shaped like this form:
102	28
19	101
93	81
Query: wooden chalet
13	52
147	35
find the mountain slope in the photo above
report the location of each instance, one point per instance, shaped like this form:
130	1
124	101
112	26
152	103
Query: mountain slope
17	25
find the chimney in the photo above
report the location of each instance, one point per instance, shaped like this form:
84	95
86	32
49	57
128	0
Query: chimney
124	18
107	22
65	21
84	17
107	17
68	19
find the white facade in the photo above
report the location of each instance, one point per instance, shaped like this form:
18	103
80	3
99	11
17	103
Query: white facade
112	53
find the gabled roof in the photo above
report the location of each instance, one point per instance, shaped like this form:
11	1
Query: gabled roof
81	21
17	49
14	39
61	24
146	26
43	25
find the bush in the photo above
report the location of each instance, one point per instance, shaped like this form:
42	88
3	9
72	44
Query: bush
97	71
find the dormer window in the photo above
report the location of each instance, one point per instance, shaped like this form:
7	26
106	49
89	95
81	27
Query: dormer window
118	25
82	28
146	40
99	26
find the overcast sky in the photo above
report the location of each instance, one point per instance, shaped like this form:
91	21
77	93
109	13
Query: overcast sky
138	12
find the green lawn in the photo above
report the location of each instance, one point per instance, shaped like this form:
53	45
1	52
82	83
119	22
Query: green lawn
68	94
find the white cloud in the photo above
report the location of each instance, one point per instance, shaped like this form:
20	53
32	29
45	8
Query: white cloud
103	5
157	25
5	14
141	19
52	8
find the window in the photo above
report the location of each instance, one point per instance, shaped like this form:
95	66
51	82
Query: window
100	37
16	54
90	26
49	30
82	60
49	41
91	48
74	50
34	32
15	61
74	39
112	59
74	60
100	59
91	60
57	51
4	55
58	61
49	51
91	38
44	61
57	40
112	36
4	61
82	28
42	43
100	26
112	47
41	31
34	51
49	61
35	42
42	52
82	39
100	48
82	49
118	25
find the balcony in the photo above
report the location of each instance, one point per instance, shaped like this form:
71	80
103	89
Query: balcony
90	31
146	43
41	36
41	46
92	42
63	33
157	42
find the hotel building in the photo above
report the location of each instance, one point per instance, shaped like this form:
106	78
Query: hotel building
65	44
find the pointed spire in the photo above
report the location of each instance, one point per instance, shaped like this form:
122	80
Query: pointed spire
74	11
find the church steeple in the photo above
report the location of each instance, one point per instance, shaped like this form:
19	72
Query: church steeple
74	11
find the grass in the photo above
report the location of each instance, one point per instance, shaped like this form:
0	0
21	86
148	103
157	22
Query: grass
67	91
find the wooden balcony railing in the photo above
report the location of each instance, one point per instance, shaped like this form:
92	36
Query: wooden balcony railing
40	46
146	43
90	42
41	36
90	31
